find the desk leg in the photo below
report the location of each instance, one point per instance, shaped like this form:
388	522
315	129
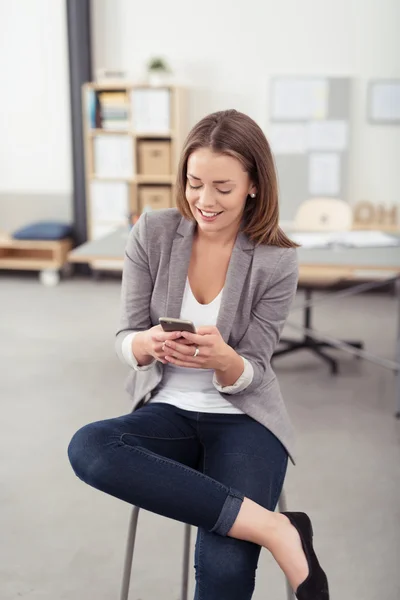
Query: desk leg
398	350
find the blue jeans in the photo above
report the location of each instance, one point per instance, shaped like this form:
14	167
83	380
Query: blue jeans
192	467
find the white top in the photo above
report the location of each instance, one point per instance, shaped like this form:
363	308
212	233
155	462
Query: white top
194	389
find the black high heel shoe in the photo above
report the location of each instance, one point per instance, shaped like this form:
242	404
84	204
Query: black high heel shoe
315	586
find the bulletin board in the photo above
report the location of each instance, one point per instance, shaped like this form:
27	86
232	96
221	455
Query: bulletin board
309	134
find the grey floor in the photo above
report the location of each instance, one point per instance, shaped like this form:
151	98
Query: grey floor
60	539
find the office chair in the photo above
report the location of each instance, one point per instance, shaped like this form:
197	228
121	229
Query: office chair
318	215
130	547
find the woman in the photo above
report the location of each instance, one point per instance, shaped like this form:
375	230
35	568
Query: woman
210	441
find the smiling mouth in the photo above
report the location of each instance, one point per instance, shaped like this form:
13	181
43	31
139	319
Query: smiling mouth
208	215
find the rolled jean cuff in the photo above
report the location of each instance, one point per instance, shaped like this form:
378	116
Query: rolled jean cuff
229	513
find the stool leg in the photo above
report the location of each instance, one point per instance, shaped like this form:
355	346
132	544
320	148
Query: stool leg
289	591
130	546
185	565
282	506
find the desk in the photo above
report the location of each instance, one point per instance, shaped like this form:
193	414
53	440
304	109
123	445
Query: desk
321	264
109	248
376	265
351	263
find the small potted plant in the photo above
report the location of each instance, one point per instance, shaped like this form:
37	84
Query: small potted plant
158	71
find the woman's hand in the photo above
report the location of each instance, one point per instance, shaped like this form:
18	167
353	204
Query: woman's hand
213	353
149	344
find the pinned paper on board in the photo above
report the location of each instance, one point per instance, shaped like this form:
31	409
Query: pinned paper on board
324	174
299	99
288	138
385	101
328	135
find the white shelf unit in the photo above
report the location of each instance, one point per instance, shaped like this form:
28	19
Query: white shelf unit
133	135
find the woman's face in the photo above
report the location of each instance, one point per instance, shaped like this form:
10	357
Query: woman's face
216	189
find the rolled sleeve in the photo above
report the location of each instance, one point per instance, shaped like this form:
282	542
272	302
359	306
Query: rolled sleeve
240	384
129	357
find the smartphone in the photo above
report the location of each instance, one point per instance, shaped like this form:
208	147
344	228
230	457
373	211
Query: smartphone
170	324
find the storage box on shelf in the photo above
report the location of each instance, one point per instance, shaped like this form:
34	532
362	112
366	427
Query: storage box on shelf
154	157
133	136
153	197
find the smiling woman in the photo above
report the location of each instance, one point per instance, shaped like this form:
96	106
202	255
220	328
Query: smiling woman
209	442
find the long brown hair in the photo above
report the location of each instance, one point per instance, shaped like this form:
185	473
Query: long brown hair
235	134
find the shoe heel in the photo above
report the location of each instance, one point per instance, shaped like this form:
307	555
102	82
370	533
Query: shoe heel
303	522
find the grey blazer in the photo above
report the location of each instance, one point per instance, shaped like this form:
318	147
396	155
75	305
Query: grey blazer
259	288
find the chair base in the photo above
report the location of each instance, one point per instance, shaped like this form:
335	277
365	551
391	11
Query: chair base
308	343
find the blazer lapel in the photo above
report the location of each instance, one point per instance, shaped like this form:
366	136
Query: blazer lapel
238	269
178	267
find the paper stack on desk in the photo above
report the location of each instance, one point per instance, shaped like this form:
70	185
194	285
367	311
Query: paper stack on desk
348	239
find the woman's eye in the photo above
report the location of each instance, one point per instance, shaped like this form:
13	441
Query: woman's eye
225	192
194	187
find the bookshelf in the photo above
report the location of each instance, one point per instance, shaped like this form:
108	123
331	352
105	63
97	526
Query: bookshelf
133	135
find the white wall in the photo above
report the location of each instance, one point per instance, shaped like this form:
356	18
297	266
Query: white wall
226	50
35	144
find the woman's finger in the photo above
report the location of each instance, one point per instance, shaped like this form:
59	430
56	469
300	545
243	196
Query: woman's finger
183	362
182	340
162	336
190	359
181	348
207	330
196	339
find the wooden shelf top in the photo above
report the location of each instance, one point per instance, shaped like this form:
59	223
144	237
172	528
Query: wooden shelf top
142	179
155	179
94	132
104	178
152	135
121	85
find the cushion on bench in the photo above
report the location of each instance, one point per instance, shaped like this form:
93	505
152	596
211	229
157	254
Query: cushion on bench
43	230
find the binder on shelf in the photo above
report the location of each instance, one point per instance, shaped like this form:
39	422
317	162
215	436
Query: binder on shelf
114	108
151	110
113	156
91	102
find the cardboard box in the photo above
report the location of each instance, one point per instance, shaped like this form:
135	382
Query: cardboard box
154	157
155	196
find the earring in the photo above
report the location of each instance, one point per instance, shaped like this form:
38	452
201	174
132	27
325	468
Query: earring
252	195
